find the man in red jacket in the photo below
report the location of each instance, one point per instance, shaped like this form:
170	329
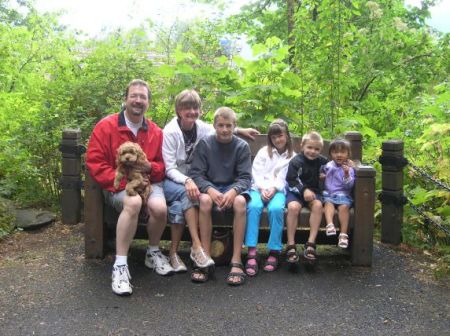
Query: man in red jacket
107	136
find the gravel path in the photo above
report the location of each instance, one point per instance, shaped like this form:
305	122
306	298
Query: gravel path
48	288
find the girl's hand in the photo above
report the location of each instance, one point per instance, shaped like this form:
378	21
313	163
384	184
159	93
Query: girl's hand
308	195
192	190
267	194
346	169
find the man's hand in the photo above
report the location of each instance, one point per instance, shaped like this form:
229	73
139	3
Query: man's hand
309	195
192	190
248	132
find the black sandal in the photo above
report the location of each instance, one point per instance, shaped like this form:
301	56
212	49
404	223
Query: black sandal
241	275
310	253
199	275
291	254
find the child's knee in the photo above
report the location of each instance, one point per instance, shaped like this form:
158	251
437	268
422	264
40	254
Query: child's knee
294	207
275	209
205	202
343	208
316	207
258	206
239	203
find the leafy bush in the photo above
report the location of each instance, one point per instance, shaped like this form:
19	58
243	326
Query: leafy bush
7	217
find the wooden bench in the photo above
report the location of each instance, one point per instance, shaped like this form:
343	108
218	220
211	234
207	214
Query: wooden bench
100	219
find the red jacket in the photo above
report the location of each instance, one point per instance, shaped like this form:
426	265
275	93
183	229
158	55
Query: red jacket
108	135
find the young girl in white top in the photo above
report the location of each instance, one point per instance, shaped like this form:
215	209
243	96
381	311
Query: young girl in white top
268	184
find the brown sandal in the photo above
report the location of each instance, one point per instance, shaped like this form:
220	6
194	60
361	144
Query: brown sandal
241	275
291	254
310	253
199	275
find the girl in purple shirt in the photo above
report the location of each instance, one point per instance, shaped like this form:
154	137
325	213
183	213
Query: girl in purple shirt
339	180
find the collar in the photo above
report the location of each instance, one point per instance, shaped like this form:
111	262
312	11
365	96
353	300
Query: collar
275	151
123	123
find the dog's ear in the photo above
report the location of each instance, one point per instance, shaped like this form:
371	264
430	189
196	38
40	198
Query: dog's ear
141	155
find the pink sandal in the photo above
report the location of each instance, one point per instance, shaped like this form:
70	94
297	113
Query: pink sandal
251	266
272	261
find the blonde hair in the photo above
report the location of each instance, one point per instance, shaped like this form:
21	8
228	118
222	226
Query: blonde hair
312	136
226	113
276	127
187	99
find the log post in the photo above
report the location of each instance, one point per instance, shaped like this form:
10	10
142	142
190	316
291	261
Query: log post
391	197
70	183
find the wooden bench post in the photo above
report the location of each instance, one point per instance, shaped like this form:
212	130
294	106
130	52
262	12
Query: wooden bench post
391	197
355	139
70	182
364	206
94	235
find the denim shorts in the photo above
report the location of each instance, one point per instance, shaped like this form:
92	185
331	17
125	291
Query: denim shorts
337	199
223	188
115	199
177	200
290	196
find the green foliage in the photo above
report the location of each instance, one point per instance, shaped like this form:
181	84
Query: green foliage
431	136
7	217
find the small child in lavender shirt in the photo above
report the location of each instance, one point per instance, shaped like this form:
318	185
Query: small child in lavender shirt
339	180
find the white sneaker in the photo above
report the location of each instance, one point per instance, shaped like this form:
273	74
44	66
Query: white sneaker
159	262
121	280
177	264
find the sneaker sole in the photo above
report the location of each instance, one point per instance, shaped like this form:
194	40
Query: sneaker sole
123	294
180	270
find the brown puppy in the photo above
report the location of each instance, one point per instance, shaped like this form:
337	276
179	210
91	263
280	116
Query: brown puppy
132	163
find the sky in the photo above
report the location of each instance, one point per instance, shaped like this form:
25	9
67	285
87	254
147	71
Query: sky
92	16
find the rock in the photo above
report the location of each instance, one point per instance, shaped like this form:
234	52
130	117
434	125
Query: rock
29	219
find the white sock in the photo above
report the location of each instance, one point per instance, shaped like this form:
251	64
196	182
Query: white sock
121	260
152	248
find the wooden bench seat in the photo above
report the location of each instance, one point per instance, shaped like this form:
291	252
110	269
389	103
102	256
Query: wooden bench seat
100	219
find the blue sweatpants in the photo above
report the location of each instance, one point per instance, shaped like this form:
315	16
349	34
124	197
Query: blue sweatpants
275	209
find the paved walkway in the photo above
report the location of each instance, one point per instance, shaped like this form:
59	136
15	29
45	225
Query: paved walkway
47	288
